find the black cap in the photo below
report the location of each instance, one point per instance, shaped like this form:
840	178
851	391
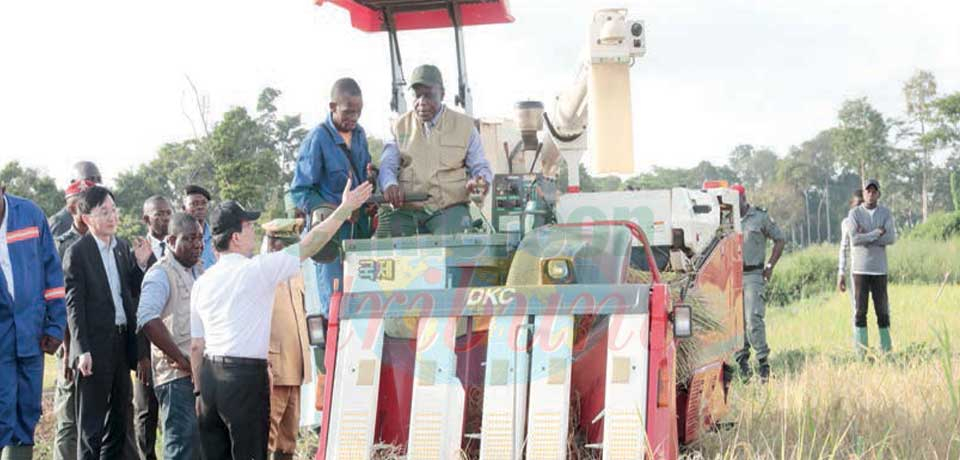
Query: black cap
871	182
197	190
229	216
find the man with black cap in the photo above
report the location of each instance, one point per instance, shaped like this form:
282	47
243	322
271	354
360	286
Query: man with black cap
434	151
62	221
196	199
230	314
871	230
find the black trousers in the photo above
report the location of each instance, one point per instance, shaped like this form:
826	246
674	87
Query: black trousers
103	402
873	286
234	413
146	411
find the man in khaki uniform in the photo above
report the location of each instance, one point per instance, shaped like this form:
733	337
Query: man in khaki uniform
757	227
435	151
289	347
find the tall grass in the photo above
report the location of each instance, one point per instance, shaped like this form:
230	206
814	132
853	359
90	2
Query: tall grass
812	271
823	402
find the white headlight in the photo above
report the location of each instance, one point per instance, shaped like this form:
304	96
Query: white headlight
682	321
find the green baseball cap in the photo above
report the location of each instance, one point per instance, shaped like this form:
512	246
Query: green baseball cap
426	75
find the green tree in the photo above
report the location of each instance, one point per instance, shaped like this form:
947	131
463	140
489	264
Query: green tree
34	185
375	146
175	166
246	161
284	132
946	129
754	166
246	158
660	178
919	93
860	140
955	190
253	157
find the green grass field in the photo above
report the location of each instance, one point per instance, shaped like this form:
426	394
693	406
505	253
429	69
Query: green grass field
823	402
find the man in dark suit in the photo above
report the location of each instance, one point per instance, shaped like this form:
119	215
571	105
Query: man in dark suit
156	215
103	280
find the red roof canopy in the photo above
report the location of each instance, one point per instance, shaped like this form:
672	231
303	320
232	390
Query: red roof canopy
366	15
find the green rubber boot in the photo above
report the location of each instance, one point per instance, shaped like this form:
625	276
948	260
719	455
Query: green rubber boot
885	343
17	453
860	335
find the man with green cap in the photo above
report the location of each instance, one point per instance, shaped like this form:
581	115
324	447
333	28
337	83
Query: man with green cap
437	152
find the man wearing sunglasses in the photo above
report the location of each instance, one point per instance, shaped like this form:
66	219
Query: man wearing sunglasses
437	152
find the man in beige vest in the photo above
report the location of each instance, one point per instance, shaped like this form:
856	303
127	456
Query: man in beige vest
289	347
435	151
164	317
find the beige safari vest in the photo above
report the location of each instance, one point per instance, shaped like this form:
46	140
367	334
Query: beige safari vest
434	162
175	317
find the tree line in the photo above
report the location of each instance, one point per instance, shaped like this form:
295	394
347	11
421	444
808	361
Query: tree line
250	156
915	155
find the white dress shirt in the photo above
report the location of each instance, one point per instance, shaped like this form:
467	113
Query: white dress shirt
231	304
159	247
5	263
113	278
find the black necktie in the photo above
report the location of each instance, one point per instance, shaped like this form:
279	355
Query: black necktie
163	248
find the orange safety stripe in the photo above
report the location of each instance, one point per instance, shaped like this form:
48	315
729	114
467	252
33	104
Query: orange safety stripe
55	293
23	234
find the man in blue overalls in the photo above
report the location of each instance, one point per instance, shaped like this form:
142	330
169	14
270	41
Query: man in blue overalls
32	319
334	150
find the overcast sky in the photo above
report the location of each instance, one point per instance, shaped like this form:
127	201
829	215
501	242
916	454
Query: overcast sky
105	80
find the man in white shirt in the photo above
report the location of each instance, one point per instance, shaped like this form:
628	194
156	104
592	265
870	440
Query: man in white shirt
231	308
856	199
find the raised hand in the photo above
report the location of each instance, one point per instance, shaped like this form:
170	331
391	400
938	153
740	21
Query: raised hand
142	251
353	199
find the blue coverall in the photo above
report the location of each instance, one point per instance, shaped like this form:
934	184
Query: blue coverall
36	308
321	175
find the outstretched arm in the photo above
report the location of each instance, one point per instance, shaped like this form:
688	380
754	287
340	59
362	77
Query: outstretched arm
320	234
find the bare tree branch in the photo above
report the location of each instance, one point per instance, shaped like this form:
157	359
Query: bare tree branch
202	105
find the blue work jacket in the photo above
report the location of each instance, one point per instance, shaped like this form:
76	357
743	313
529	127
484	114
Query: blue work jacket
323	166
37	307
